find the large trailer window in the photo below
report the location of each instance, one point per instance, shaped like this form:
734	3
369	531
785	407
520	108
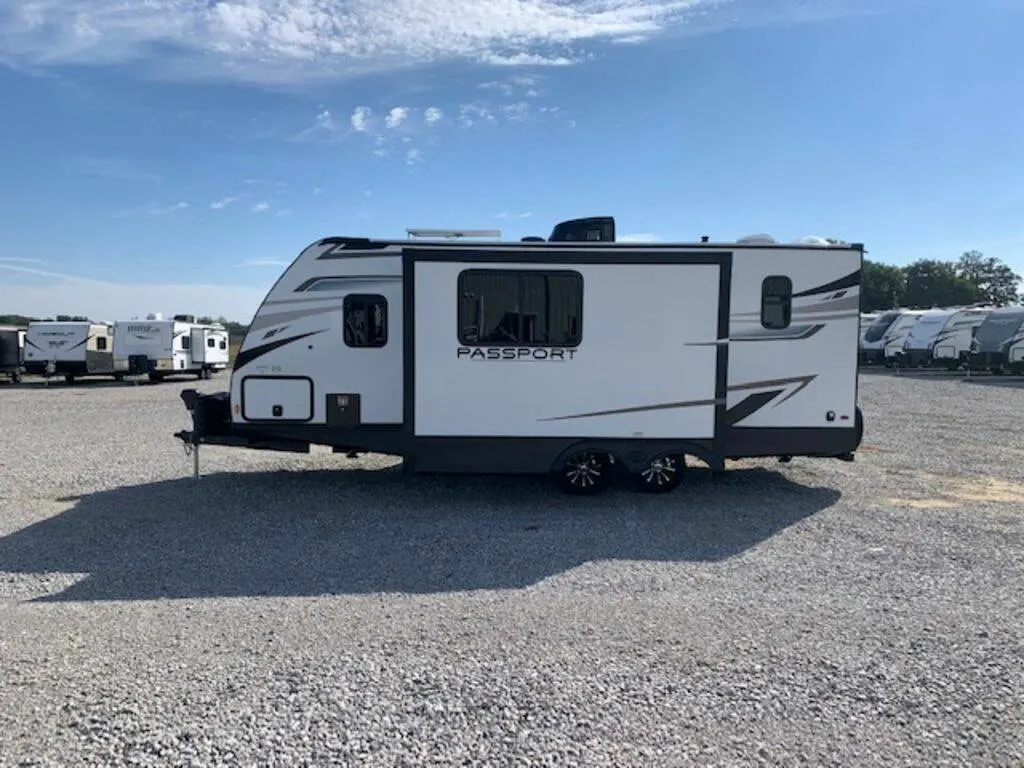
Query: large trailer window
366	320
776	301
186	342
101	343
520	308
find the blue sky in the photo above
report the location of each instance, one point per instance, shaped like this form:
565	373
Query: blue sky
173	157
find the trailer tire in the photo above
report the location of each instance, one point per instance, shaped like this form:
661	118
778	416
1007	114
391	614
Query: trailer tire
16	377
858	425
663	474
69	378
583	474
155	378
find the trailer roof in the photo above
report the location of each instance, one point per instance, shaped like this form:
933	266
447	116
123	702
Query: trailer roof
370	243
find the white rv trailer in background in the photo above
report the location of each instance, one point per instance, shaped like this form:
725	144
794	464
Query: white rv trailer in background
158	348
12	352
892	341
866	319
576	355
70	349
952	345
917	347
998	343
872	340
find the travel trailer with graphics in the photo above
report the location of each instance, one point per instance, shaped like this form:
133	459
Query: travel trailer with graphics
917	347
70	349
952	344
872	340
577	356
998	343
158	348
896	336
12	352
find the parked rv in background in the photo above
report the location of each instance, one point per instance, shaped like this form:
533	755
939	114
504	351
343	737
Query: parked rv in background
158	348
952	344
12	352
998	343
872	338
896	335
70	349
917	348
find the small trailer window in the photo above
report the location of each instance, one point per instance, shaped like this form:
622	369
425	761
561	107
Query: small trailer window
101	343
366	320
223	344
211	343
186	342
520	307
776	301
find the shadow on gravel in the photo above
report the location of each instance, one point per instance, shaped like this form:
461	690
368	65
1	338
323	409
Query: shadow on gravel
359	531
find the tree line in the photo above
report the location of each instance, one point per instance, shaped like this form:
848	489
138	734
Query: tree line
973	278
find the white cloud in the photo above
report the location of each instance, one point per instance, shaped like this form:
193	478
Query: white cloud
224	202
261	207
284	212
42	293
432	115
360	119
19	260
281	41
640	237
474	114
153	209
396	117
509	215
413	156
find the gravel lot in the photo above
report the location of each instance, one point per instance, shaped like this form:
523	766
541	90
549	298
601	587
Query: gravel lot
308	609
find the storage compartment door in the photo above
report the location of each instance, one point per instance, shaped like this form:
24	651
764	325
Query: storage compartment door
277	398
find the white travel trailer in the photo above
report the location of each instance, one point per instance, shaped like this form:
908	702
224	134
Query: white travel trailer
872	340
952	344
892	341
158	348
12	352
917	347
998	343
70	349
577	355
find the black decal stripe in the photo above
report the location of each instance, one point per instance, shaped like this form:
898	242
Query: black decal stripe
33	344
635	409
749	405
83	341
246	357
804	380
852	280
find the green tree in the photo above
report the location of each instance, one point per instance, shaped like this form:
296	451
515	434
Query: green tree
996	282
934	283
881	286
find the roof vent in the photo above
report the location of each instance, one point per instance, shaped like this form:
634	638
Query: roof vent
761	238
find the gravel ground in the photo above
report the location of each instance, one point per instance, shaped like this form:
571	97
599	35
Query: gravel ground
308	609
